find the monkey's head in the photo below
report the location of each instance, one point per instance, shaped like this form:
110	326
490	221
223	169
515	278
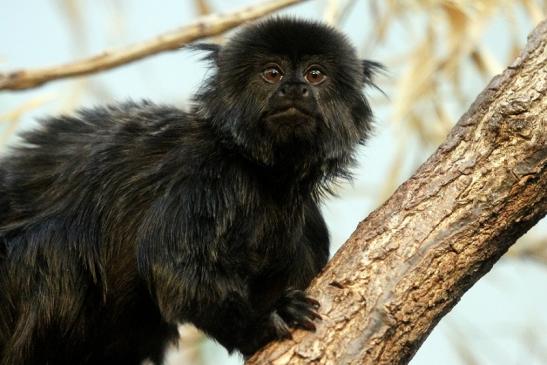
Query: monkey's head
290	92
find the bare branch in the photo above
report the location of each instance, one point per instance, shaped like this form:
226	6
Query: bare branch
207	26
413	258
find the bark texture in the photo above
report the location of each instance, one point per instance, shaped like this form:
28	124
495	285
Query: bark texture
413	258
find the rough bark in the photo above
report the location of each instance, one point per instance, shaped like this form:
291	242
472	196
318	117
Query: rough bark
413	258
206	26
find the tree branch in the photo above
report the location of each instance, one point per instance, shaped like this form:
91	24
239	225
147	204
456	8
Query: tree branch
413	258
204	27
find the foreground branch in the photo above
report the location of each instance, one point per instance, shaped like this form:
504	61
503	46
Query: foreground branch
412	259
208	26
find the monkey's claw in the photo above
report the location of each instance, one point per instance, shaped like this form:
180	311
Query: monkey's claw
298	310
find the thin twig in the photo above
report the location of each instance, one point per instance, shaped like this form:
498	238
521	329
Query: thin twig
204	27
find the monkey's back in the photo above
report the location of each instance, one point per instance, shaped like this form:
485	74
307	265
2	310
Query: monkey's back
97	152
71	196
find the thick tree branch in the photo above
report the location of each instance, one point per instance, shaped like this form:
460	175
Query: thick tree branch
204	27
412	259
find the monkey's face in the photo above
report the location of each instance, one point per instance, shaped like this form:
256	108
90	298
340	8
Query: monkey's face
289	91
291	110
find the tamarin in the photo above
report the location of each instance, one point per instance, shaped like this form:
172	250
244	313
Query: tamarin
119	222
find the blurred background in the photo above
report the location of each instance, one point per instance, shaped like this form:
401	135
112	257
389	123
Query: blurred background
439	56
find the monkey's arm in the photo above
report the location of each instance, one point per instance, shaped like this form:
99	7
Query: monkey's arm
315	247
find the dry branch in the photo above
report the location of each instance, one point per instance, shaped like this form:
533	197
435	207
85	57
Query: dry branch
412	259
207	26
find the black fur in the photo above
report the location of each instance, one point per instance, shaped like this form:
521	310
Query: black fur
119	222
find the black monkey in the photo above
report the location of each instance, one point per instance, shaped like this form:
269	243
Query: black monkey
119	222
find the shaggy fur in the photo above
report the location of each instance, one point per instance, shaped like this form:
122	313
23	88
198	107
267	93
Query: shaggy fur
119	222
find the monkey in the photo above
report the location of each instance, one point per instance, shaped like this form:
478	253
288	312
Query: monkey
119	222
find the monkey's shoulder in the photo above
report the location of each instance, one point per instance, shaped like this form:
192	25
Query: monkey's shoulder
131	133
125	121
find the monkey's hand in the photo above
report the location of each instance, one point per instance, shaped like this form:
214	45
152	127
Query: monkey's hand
294	309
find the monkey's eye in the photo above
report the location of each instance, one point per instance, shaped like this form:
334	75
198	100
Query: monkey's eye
314	76
272	74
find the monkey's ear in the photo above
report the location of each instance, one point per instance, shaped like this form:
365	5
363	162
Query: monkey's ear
370	70
211	50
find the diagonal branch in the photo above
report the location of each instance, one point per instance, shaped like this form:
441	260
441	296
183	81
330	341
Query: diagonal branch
207	26
413	258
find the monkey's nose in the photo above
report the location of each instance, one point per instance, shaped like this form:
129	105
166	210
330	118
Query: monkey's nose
294	90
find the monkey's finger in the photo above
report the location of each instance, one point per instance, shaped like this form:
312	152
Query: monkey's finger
313	302
302	308
301	316
301	296
306	325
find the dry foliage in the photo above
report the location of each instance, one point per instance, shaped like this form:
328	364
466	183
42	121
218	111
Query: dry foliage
440	61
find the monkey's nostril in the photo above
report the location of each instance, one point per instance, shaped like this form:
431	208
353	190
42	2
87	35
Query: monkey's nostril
293	91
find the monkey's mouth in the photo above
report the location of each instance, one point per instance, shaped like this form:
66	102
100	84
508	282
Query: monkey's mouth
291	113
